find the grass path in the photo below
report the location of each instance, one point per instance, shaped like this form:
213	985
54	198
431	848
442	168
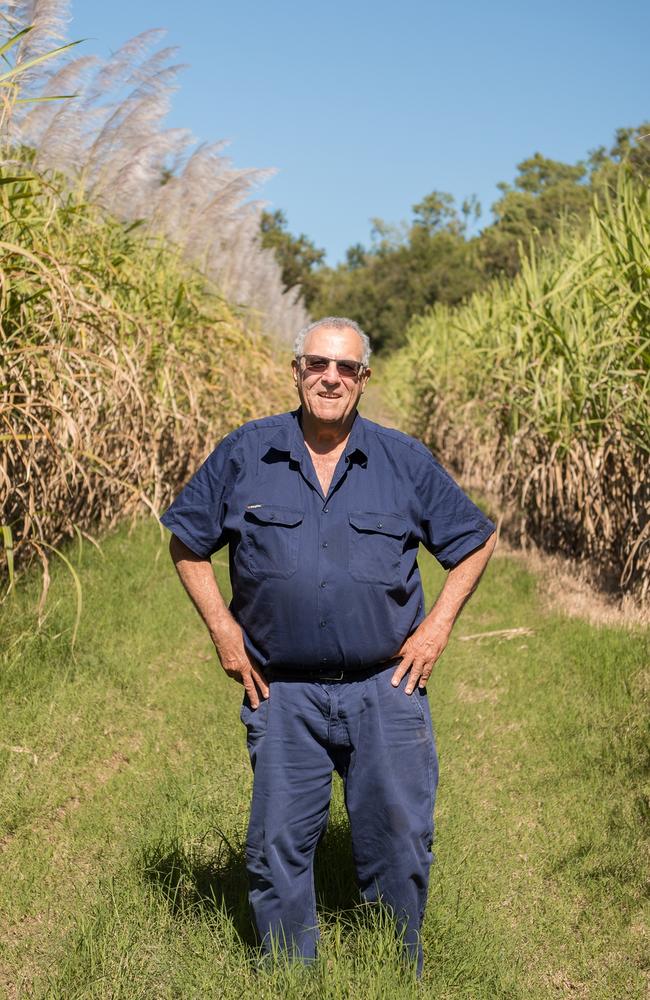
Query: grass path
126	788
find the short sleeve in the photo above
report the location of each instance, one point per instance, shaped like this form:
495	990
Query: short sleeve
197	514
452	525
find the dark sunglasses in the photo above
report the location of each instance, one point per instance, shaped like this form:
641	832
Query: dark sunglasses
317	364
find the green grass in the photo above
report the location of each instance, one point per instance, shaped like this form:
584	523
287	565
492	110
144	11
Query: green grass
126	789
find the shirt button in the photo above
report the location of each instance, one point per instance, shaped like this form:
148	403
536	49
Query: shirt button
324	545
323	624
380	524
323	583
326	510
323	659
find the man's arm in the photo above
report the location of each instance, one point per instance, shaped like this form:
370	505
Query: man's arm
197	577
425	645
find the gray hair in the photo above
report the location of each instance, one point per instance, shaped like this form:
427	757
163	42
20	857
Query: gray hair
339	323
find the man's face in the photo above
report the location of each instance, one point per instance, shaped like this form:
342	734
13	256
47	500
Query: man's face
328	396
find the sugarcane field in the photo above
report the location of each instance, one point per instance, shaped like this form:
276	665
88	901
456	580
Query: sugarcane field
302	701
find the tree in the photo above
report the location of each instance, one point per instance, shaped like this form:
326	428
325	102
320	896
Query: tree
546	193
537	174
436	211
632	147
408	267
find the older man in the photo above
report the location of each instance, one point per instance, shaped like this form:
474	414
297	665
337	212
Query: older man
323	512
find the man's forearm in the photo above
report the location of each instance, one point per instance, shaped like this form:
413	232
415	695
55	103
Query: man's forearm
459	586
198	578
227	635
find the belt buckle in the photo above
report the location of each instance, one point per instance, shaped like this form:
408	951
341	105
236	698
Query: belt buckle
332	677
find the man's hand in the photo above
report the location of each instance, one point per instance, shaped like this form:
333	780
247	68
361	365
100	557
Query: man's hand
419	653
421	650
237	663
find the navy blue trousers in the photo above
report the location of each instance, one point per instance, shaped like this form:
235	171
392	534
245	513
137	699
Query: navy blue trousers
380	740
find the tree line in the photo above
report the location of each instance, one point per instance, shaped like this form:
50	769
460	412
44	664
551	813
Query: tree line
432	258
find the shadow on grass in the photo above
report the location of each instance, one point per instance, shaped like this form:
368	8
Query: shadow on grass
209	878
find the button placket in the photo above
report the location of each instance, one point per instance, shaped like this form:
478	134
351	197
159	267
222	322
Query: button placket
324	616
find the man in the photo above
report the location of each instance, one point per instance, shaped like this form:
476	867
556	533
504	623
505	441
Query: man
323	512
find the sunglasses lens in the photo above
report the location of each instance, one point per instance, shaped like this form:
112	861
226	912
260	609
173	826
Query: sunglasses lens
316	364
346	369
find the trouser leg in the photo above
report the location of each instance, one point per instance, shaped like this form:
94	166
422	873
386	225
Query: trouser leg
390	787
292	774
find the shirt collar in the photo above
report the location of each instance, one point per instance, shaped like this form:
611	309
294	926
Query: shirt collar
289	439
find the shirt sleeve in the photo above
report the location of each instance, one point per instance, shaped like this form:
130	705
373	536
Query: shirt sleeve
452	525
197	514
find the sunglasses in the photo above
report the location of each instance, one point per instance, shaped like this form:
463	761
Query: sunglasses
317	364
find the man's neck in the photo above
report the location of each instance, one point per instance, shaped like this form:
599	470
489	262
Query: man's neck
323	439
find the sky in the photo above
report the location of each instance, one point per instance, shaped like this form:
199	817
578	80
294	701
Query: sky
365	106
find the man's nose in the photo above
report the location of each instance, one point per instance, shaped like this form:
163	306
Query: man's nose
331	374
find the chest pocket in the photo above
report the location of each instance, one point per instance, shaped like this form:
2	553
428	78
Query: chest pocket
376	545
271	540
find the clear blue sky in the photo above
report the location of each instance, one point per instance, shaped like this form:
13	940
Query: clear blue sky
365	106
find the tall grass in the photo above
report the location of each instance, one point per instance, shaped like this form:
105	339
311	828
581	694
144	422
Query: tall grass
120	359
112	142
537	390
120	366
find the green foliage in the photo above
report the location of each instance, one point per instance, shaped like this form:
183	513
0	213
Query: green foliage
538	174
546	195
538	388
632	147
549	196
435	212
407	269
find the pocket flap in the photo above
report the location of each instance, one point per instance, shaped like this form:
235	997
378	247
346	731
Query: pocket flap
268	513
383	524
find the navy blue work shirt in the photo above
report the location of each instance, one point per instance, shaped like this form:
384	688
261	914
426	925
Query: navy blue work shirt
325	580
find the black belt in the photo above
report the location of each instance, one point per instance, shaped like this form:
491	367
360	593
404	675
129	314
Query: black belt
328	674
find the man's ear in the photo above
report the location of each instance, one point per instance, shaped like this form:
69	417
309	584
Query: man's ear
366	375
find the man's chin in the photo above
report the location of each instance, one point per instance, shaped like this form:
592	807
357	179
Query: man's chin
327	416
